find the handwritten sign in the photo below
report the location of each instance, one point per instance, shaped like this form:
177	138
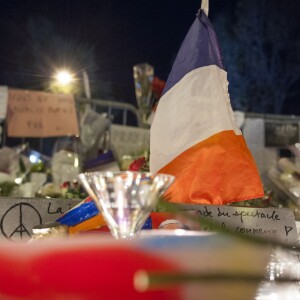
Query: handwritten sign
40	114
19	215
273	223
3	101
127	140
281	134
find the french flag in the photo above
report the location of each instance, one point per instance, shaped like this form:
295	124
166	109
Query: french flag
193	135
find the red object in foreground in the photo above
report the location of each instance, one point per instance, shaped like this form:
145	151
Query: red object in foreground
81	269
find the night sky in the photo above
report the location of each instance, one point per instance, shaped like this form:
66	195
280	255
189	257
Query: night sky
120	34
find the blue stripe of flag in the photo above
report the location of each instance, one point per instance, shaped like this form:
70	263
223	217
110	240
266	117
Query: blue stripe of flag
200	48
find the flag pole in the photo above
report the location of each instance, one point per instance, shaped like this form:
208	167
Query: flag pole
205	6
86	85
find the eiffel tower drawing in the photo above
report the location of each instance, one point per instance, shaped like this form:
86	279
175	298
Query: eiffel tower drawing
20	230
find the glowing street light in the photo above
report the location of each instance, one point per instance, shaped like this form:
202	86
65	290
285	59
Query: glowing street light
66	82
64	77
63	81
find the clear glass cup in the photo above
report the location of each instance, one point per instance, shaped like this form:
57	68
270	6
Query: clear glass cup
125	199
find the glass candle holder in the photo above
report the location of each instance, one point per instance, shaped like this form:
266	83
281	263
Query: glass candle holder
125	199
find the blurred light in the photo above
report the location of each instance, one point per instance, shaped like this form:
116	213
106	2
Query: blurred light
76	162
18	180
64	77
34	159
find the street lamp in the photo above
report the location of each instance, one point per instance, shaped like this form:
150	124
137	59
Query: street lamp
64	82
64	77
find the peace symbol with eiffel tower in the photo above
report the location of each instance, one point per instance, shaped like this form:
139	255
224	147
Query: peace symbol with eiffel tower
17	221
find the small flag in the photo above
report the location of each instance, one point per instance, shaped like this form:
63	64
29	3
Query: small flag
193	135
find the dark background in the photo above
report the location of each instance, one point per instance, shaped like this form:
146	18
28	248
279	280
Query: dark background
259	41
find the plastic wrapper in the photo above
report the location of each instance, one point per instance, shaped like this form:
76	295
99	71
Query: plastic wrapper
23	171
285	182
143	76
94	128
49	230
286	176
66	160
9	161
13	163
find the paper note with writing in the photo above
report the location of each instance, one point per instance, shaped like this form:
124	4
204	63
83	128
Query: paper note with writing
127	140
273	223
40	114
3	101
19	215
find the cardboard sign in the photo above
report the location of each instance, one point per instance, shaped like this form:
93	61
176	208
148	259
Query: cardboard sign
127	140
40	114
19	215
281	134
274	223
3	101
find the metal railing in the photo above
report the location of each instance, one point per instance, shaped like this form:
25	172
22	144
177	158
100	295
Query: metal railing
110	105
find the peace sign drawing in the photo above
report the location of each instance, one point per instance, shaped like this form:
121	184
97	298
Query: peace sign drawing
17	221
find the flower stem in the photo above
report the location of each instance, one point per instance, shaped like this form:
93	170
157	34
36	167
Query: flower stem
144	280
